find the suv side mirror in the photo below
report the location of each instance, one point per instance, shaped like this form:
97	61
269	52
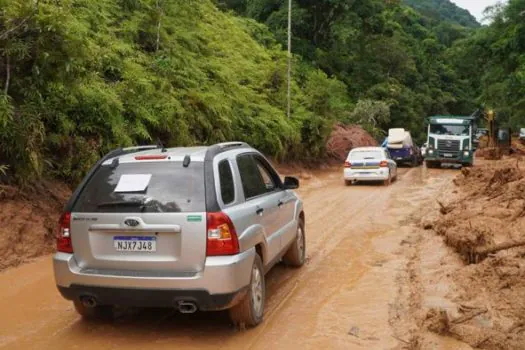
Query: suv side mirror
290	183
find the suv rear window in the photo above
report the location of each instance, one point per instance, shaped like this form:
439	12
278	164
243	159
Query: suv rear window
171	189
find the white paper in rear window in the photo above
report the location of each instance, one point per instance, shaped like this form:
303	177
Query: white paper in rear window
133	183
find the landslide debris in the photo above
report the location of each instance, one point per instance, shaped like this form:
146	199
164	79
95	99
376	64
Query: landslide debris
29	220
346	137
485	224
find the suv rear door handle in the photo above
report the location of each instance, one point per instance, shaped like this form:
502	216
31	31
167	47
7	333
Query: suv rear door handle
259	211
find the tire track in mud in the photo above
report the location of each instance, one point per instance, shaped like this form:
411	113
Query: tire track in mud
321	259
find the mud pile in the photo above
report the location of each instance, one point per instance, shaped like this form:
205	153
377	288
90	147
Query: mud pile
485	224
346	137
29	221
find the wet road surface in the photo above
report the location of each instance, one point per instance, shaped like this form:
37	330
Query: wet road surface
341	299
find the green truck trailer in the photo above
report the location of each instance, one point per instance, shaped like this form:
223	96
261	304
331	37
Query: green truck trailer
450	140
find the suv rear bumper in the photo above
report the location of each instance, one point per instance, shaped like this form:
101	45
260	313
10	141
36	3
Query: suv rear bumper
217	286
153	297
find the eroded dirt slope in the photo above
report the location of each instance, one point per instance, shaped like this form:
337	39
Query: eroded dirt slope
465	281
28	221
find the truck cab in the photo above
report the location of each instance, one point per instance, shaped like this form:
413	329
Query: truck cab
450	140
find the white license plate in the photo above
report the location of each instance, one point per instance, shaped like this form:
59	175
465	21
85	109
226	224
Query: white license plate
448	155
135	244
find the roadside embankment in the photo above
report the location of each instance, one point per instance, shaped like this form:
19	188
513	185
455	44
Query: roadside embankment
484	223
28	221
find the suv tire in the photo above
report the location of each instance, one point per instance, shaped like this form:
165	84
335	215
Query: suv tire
93	313
249	311
295	256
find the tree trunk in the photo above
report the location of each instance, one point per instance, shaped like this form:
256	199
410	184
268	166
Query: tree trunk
159	9
8	74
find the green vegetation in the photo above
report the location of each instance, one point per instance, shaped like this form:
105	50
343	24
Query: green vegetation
444	11
79	77
381	50
492	63
83	76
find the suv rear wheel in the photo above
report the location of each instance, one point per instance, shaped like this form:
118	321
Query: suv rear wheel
295	255
93	313
250	310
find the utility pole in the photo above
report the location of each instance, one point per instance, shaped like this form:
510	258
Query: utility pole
289	57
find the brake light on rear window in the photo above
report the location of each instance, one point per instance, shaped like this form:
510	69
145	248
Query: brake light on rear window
64	234
348	164
221	235
151	157
383	164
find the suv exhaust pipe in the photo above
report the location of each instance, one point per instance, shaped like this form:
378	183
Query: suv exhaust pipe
187	307
88	302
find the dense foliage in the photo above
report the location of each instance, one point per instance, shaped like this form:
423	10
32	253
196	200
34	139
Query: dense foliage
381	50
79	77
83	76
444	11
492	63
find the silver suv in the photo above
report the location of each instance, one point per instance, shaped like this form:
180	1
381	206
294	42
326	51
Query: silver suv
190	228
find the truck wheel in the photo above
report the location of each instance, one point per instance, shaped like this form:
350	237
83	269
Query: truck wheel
430	164
249	311
295	256
101	312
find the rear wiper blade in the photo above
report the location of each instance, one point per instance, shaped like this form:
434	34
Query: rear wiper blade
121	203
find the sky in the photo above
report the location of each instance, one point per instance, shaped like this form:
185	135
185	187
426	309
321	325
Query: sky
475	7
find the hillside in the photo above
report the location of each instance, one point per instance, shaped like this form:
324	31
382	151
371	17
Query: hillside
82	77
384	52
444	10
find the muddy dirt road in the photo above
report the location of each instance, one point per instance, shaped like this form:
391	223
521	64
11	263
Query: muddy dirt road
342	299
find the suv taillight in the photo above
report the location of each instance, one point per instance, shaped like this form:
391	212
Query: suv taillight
221	235
64	234
348	164
383	164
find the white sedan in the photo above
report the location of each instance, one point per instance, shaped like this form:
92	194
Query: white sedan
369	164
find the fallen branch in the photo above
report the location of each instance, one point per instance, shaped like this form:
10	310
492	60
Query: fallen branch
401	340
501	246
478	254
468	317
444	209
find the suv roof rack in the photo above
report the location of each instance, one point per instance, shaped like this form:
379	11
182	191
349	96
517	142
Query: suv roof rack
223	147
139	148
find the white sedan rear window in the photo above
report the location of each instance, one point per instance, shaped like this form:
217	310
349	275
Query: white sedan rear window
355	155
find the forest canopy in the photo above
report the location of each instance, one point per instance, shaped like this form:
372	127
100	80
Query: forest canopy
80	77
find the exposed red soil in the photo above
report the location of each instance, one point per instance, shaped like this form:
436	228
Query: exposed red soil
346	137
487	213
29	220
